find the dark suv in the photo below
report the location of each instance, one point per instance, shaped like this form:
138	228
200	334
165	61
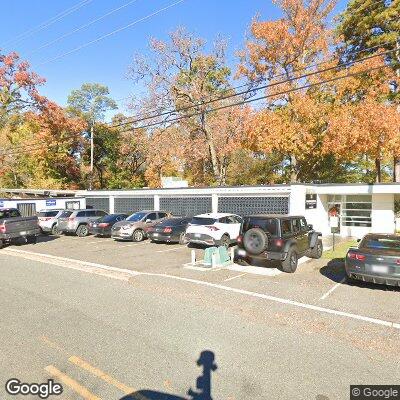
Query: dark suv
277	238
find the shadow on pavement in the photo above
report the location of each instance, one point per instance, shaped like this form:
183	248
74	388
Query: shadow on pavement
203	384
334	270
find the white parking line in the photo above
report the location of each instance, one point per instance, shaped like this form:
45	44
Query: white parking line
84	266
323	297
234	277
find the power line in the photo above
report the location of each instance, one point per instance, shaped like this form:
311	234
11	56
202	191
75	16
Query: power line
251	90
257	81
47	23
160	10
81	27
37	146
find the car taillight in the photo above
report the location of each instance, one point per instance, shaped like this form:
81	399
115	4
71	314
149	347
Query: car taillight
2	229
355	256
239	239
212	228
167	230
103	225
279	242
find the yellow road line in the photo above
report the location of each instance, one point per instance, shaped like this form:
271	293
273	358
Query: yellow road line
100	374
74	385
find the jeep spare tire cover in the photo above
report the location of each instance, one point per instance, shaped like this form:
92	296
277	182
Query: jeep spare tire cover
255	241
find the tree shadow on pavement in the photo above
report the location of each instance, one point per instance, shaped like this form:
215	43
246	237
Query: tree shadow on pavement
203	384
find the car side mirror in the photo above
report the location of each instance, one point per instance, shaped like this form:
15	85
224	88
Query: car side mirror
310	227
148	221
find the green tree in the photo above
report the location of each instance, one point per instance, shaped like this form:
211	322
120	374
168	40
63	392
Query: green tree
91	102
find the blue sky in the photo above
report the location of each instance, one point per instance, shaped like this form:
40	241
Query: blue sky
107	61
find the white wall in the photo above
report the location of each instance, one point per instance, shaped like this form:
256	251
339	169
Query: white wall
297	200
383	218
41	203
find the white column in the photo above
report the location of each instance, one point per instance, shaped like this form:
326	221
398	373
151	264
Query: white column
382	215
112	204
214	203
156	202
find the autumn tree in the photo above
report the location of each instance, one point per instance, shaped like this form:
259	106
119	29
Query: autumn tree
362	121
44	151
368	26
18	87
180	77
286	49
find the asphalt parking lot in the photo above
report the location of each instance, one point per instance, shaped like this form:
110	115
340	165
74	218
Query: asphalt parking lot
319	283
101	316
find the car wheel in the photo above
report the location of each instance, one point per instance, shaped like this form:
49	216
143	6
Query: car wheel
138	235
182	238
289	265
82	231
317	251
54	230
31	239
225	241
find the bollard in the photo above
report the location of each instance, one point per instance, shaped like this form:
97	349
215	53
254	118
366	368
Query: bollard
213	260
232	254
193	257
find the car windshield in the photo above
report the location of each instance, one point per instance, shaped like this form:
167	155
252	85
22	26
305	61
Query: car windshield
172	222
136	216
382	243
109	218
47	213
65	214
266	224
203	221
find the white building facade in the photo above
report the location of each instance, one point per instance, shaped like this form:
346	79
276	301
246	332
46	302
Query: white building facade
361	208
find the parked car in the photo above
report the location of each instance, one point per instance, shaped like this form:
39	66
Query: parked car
170	230
133	227
376	259
77	221
48	221
102	227
277	238
219	229
14	226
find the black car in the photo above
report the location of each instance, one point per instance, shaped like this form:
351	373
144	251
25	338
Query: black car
376	259
171	230
102	227
280	238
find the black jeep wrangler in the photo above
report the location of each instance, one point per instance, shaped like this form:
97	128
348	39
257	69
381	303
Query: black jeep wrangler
280	238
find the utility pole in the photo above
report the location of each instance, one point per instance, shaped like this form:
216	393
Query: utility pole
91	155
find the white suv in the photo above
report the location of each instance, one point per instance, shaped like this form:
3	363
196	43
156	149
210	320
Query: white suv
214	229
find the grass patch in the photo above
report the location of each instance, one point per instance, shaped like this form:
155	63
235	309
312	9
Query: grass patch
340	250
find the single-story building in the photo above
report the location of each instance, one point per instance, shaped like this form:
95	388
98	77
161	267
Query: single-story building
355	208
360	208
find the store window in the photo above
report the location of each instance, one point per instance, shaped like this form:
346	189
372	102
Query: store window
357	210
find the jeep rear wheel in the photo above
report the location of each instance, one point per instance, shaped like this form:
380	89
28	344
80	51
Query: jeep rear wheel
255	241
289	265
82	231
